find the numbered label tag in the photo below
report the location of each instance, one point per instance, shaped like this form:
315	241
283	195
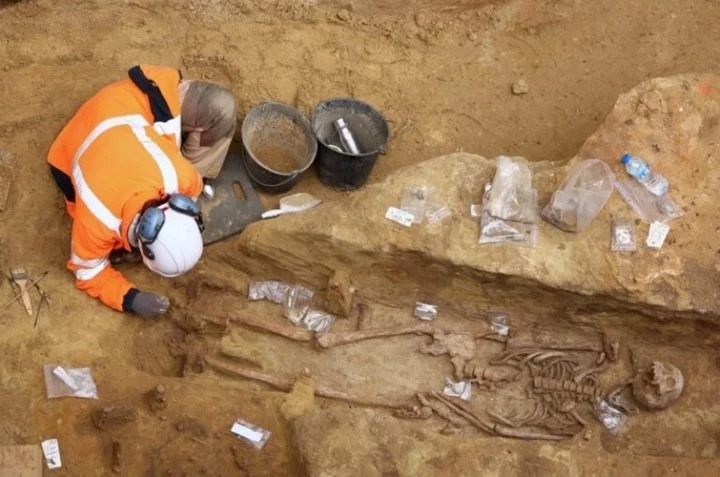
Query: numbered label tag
657	234
400	216
51	451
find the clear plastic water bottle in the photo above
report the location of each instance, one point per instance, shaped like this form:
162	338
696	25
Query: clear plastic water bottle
641	171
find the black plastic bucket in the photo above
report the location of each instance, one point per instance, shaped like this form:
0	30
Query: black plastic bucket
338	169
279	146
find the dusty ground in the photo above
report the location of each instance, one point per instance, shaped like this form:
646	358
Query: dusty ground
441	72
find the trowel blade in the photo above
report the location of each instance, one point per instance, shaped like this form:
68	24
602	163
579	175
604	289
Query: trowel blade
298	202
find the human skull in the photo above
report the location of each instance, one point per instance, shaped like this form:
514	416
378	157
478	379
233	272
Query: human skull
658	386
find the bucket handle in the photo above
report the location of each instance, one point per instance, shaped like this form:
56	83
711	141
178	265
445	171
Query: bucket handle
270	186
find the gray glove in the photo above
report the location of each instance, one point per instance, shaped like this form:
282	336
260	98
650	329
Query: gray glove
149	305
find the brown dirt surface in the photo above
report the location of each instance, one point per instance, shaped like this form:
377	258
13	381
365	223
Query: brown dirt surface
441	72
277	159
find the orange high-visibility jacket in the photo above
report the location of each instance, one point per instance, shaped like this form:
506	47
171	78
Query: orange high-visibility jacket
118	160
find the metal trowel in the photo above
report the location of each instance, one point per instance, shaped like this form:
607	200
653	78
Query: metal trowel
233	205
293	203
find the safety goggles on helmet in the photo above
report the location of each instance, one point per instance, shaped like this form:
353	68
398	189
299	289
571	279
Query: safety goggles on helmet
152	220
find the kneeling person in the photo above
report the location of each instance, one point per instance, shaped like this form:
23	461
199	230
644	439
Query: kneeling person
127	185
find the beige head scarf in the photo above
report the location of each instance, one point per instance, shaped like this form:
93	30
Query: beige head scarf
209	118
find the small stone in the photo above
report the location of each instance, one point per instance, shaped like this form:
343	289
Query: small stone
422	19
588	435
520	87
343	15
472	36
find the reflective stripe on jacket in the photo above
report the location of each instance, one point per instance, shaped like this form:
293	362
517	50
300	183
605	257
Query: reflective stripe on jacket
119	159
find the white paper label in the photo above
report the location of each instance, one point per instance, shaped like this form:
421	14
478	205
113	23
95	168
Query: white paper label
51	451
657	234
65	377
400	216
247	433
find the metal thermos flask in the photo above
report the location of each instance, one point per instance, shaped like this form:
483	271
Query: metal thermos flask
346	137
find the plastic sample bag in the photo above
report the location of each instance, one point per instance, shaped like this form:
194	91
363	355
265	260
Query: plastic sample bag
254	435
497	230
581	197
499	323
459	389
69	382
318	321
512	196
415	201
613	419
273	291
649	207
623	236
296	303
422	202
425	311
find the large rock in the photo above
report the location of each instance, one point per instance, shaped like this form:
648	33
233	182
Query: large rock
674	123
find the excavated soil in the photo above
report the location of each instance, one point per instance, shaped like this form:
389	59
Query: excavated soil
441	73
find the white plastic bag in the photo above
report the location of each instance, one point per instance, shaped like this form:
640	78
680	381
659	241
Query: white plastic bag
512	196
581	196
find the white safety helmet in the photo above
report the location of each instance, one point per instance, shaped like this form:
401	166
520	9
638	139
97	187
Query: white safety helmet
170	236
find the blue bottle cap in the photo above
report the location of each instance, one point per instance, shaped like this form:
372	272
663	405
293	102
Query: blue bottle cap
626	158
